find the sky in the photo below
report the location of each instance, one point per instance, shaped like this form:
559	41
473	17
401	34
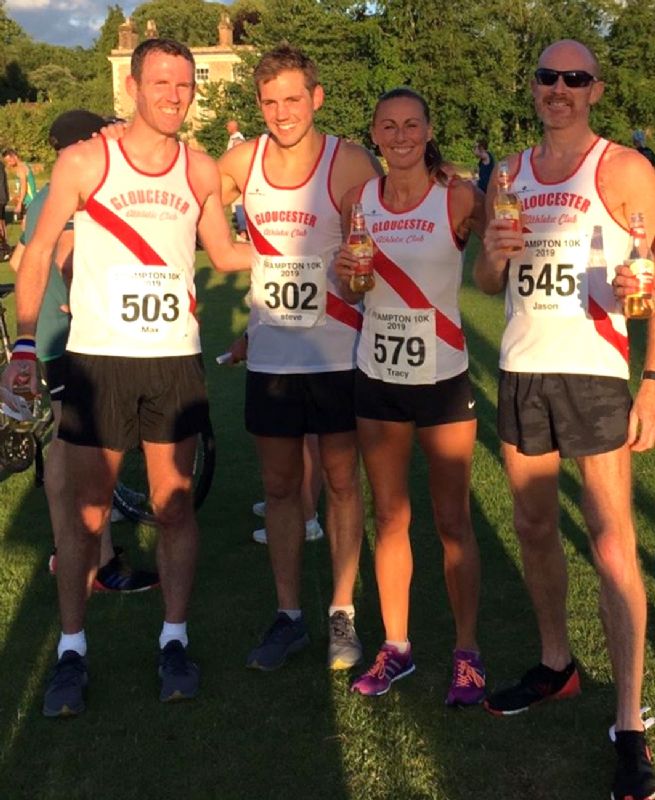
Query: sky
66	22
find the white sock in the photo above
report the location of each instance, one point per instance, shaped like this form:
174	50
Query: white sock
72	641
350	610
294	614
402	646
171	631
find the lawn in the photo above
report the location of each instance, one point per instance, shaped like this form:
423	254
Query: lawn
299	733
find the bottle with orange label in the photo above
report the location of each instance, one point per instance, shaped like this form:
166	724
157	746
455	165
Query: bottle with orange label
360	245
639	305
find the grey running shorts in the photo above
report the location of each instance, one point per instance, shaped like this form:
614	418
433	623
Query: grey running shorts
579	415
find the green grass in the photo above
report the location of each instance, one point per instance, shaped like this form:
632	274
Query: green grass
298	733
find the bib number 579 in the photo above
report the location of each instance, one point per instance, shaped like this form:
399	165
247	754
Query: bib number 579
388	349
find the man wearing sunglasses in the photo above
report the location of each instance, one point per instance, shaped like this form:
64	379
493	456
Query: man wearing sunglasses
563	385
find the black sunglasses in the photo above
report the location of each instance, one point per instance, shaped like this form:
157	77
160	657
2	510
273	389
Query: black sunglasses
573	78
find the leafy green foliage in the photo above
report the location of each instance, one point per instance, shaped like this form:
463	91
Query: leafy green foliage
193	22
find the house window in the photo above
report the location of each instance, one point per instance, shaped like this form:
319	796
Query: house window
202	74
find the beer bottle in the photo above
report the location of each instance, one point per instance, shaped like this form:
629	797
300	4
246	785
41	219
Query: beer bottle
506	204
639	305
361	246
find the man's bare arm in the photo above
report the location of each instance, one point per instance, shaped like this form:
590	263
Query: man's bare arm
223	252
233	167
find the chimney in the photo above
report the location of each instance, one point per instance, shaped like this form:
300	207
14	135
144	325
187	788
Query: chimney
225	31
128	38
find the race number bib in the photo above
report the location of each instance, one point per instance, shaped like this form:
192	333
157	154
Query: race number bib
548	279
403	345
148	303
293	291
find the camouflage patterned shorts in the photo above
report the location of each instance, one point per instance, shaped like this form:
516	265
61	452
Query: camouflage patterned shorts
579	415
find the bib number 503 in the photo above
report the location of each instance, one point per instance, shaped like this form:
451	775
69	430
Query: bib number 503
552	278
388	349
150	307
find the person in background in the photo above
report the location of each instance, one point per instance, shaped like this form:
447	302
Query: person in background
639	141
236	138
485	163
26	182
5	248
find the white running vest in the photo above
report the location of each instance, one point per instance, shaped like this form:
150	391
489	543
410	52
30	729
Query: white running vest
295	232
412	330
133	292
561	313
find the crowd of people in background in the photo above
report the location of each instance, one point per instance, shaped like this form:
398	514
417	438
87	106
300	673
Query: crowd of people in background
321	368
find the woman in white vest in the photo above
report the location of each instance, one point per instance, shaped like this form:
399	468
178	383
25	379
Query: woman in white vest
412	379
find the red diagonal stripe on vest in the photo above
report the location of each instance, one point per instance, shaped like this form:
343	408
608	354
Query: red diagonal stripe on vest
127	236
414	297
604	327
336	307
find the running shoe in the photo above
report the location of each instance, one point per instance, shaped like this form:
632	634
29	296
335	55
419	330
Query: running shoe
179	675
117	576
259	509
467	687
390	665
313	532
345	649
281	640
539	684
633	779
64	694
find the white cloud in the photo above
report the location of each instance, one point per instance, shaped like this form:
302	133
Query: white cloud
67	22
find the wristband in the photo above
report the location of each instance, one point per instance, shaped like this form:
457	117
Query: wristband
24	349
648	374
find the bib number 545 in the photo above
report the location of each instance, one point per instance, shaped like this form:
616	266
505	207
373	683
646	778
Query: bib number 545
551	279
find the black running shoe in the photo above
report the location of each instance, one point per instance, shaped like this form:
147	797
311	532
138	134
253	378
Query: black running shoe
180	677
64	694
539	684
633	779
117	576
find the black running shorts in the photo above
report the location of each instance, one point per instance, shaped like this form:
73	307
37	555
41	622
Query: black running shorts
55	376
579	415
115	402
425	405
296	404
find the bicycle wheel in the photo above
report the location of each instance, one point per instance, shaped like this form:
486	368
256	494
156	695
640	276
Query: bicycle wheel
132	495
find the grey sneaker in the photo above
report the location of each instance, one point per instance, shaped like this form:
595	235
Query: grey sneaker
259	509
281	640
345	649
313	532
180	677
64	695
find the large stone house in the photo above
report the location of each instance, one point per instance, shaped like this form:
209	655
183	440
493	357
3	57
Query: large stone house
214	63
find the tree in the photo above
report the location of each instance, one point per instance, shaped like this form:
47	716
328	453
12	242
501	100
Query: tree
52	82
193	22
